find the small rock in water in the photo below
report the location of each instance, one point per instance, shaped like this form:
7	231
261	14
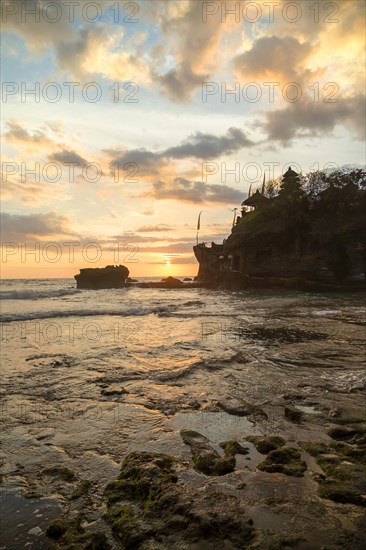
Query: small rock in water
239	407
35	531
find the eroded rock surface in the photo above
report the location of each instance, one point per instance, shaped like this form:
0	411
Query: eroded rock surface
148	503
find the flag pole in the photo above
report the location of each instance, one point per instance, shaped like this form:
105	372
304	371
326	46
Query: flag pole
199	225
235	211
264	183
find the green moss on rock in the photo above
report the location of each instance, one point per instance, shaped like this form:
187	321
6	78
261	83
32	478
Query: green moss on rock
355	434
166	514
286	461
206	460
232	448
314	449
266	444
81	489
345	481
70	535
62	472
344	468
126	526
141	484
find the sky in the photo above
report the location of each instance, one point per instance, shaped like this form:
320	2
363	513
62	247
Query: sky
121	121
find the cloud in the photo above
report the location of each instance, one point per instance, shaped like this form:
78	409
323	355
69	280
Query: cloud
274	57
18	134
30	20
100	50
134	238
153	228
176	248
208	146
25	227
308	118
191	44
197	146
147	162
179	83
181	260
68	157
81	48
176	259
185	190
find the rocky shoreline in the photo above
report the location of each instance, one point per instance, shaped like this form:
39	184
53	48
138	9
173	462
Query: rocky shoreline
226	279
272	491
197	431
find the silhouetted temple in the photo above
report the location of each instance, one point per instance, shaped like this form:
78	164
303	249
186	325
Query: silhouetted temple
295	238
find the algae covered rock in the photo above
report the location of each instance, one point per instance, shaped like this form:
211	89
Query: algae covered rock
149	508
143	476
232	448
205	458
69	534
266	444
285	461
344	468
353	434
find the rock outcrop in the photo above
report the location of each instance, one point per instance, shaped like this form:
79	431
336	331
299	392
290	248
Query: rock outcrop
107	277
300	238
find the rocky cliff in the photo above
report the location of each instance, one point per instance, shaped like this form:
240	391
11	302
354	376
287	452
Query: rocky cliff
295	239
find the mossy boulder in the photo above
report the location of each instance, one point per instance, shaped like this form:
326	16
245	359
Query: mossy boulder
232	448
141	483
345	472
70	535
126	526
285	461
345	482
206	460
314	449
355	433
148	507
266	444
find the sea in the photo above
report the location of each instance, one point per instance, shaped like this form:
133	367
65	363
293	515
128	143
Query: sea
91	375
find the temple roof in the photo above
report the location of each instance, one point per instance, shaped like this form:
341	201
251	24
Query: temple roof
255	199
290	172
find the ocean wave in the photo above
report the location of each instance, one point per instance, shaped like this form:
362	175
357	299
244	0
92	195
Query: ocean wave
36	294
93	312
128	312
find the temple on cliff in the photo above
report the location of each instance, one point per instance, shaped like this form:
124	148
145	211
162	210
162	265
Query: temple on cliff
293	238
